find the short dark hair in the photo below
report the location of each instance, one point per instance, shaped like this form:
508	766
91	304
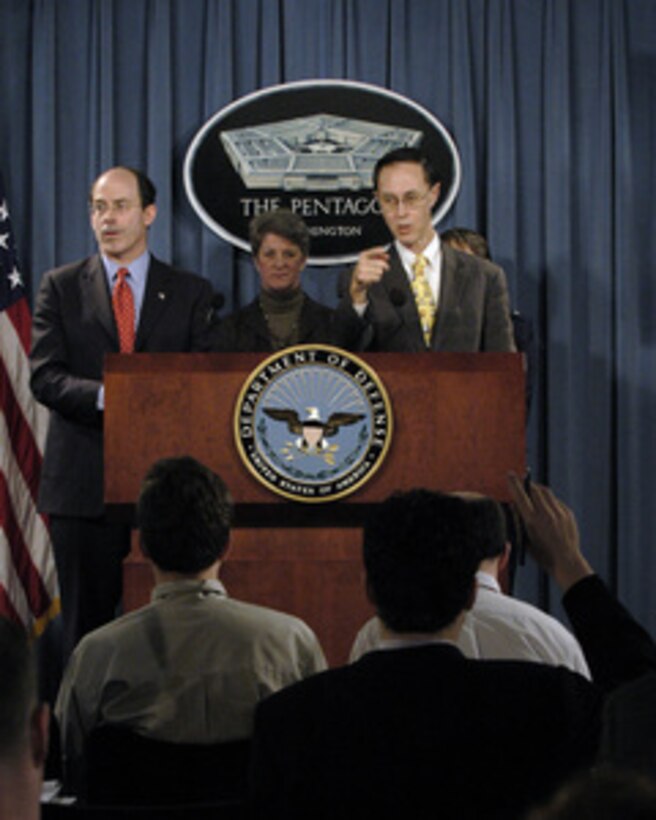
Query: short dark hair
281	222
184	513
145	186
421	557
18	687
407	155
476	242
487	524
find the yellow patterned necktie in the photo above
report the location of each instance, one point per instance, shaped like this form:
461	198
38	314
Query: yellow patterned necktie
423	297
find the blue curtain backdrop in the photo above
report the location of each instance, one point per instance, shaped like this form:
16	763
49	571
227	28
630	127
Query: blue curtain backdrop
552	105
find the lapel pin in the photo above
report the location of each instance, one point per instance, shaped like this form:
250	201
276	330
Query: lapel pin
161	295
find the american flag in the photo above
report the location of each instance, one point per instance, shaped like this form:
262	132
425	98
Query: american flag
28	582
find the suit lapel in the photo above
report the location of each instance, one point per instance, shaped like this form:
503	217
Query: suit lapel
309	322
255	320
96	293
160	287
450	287
407	312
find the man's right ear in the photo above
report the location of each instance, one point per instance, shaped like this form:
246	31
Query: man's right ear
150	213
505	556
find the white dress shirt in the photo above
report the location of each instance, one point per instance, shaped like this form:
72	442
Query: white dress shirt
433	271
500	627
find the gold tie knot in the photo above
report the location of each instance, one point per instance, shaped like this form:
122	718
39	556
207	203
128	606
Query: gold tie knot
419	266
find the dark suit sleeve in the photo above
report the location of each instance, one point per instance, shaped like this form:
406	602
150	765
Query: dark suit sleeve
243	331
629	728
200	330
349	331
265	777
223	336
352	331
236	334
52	382
279	758
497	327
616	647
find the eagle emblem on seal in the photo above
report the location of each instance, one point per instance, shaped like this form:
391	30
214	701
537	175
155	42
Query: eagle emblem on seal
312	432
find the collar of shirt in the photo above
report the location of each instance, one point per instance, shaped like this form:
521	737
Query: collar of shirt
484	579
137	279
433	272
406	643
188	587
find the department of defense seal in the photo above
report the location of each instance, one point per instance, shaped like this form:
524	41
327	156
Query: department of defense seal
313	423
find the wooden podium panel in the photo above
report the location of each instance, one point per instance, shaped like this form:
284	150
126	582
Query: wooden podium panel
458	425
458	421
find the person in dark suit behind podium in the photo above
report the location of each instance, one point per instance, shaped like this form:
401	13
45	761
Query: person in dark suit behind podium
417	730
74	326
420	295
282	314
473	243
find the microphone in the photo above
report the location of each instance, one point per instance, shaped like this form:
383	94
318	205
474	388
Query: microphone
397	297
216	303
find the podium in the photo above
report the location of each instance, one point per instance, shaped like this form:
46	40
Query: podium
458	424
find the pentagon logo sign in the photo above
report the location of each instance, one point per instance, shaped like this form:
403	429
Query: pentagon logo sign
311	146
313	423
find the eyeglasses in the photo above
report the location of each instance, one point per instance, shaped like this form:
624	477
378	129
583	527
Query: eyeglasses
412	200
100	208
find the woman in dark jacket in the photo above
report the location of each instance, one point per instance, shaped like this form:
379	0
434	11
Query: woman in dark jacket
282	314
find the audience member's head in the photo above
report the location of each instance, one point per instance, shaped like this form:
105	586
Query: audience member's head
604	794
487	524
467	241
421	553
184	514
23	726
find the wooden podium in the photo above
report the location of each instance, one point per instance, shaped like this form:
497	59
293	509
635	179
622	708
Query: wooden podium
458	425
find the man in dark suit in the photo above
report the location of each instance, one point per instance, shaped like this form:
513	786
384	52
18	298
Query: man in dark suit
415	729
75	324
419	294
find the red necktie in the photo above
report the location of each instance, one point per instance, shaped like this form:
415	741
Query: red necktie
123	303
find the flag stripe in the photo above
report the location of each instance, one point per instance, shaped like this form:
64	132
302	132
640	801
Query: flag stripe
19	434
34	524
38	597
12	584
28	580
15	357
6	605
21	319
